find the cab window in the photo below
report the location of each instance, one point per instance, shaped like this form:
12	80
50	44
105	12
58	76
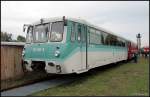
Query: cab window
57	30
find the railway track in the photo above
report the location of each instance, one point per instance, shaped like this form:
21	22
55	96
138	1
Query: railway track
35	87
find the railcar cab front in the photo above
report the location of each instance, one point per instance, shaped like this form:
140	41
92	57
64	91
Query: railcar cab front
44	43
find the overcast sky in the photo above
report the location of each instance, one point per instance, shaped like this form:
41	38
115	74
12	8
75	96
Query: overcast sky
126	18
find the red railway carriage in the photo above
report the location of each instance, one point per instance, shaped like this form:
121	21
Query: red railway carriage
132	49
145	49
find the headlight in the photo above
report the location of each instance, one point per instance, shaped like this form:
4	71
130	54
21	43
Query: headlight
57	53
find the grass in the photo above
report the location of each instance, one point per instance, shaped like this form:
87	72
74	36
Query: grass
121	79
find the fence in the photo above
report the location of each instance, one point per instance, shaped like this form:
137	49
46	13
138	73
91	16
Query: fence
11	60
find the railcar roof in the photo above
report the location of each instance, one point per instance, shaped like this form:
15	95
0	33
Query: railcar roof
82	21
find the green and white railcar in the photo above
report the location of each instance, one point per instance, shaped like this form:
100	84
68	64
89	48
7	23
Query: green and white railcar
67	45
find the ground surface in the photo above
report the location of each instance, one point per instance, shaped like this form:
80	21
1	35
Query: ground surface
116	79
35	87
27	78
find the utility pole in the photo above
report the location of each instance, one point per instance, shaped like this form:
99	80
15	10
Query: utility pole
138	36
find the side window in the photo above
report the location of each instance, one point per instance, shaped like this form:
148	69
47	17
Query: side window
79	33
73	32
108	39
119	42
103	38
92	35
95	36
114	40
98	37
123	43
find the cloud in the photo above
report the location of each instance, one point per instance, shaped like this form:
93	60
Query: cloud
126	18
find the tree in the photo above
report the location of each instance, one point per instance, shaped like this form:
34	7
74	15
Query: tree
21	38
6	36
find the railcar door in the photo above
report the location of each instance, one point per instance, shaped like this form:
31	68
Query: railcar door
81	37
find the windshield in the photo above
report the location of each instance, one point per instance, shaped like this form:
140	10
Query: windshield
57	30
40	33
29	37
